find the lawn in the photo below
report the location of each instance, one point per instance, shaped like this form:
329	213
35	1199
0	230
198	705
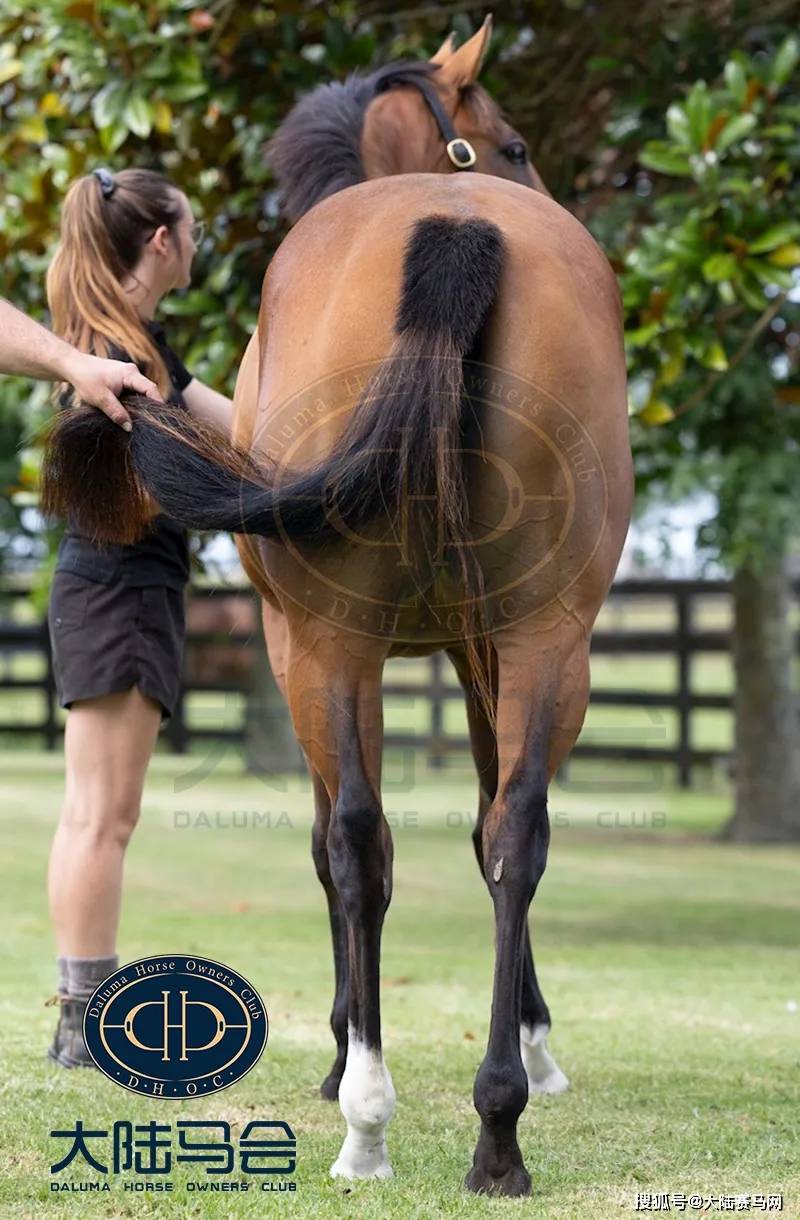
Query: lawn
669	961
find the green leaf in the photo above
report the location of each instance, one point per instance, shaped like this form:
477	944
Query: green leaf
107	105
698	112
193	305
678	124
785	256
785	61
138	115
735	129
113	136
185	91
9	69
779	131
719	267
672	366
220	277
642	334
752	294
726	292
661	157
766	274
657	412
735	79
734	184
776	235
714	357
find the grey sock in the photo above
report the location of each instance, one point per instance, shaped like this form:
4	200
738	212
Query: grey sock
62	975
85	973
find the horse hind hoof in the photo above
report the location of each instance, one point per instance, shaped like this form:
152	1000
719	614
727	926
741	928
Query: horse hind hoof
362	1159
554	1082
515	1183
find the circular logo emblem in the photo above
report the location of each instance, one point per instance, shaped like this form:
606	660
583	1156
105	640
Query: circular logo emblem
538	496
174	1026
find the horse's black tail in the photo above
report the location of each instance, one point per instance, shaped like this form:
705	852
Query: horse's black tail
400	447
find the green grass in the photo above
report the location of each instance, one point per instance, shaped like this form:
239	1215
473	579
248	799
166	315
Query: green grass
669	962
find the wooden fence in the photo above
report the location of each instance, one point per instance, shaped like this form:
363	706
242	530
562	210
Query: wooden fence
681	639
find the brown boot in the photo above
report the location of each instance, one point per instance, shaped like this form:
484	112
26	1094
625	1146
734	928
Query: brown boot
69	1049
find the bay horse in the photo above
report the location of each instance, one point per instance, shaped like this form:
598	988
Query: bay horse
430	452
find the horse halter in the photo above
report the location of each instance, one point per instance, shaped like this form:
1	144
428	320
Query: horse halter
459	150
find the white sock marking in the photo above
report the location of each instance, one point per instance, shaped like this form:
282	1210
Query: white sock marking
366	1099
544	1074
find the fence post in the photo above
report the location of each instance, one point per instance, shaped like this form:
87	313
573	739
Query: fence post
271	747
436	746
683	606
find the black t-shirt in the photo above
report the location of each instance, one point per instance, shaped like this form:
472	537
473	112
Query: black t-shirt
162	556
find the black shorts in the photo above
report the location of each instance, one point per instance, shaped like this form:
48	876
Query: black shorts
109	637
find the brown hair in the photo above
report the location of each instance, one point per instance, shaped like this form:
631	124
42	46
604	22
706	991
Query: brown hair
105	222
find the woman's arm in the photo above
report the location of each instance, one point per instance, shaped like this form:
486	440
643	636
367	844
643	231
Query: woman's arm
206	404
29	350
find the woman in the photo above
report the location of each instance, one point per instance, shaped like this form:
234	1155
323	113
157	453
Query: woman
116	613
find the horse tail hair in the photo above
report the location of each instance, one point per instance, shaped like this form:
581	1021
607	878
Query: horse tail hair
400	447
451	274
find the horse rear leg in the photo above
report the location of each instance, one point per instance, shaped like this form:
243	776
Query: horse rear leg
335	700
544	1074
276	631
276	634
542	695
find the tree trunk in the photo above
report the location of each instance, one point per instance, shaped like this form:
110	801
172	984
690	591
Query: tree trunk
767	758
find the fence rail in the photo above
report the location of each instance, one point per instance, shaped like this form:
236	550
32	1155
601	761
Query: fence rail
682	641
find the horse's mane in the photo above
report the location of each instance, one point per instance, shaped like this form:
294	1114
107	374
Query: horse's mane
315	151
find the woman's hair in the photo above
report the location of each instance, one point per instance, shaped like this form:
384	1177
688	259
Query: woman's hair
105	222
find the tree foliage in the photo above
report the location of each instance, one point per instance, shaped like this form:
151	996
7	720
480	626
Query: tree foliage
195	88
710	295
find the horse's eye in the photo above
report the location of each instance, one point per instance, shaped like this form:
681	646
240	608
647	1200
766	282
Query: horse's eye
515	152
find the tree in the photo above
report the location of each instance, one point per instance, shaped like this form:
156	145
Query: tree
710	289
195	88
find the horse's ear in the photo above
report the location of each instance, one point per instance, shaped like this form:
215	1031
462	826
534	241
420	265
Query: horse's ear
445	50
463	66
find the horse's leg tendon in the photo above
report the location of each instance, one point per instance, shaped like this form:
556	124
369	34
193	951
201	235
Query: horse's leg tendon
319	850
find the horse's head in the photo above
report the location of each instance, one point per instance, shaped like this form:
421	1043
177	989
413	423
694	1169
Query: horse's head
434	117
417	116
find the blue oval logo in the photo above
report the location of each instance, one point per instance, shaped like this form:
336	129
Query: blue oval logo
174	1026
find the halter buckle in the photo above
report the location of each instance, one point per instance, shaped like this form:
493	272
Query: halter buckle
465	146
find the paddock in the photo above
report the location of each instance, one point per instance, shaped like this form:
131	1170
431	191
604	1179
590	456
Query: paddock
670	961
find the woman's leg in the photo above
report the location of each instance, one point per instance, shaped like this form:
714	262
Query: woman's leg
107	746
